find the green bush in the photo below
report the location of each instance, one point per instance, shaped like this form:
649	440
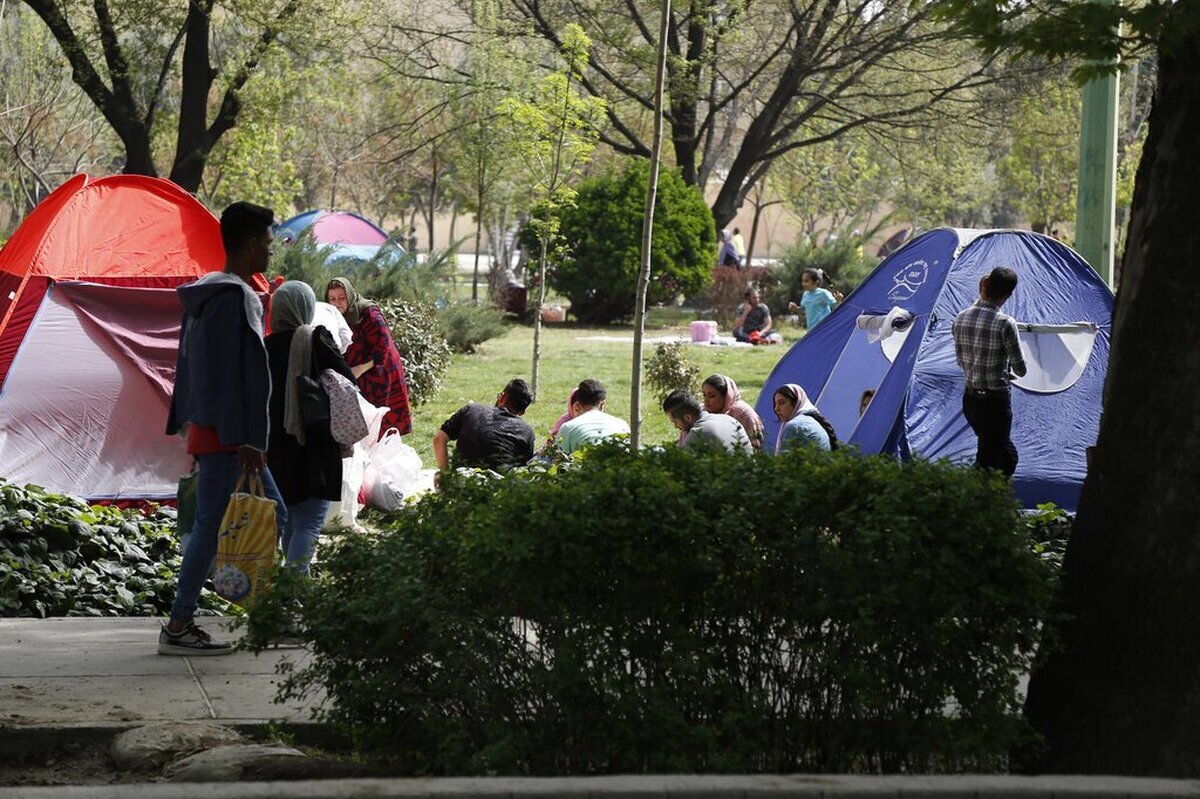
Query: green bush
843	260
669	369
465	327
603	232
418	336
666	611
61	557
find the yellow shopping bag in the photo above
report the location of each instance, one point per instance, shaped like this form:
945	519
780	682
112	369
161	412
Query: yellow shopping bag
246	543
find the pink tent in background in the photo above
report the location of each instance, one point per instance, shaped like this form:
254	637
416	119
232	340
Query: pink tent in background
347	235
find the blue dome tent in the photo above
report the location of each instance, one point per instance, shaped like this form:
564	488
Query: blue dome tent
892	334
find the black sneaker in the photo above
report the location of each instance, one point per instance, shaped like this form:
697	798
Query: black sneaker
190	641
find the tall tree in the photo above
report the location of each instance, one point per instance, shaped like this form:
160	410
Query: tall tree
556	131
1042	164
135	58
482	149
750	81
47	126
643	284
1120	694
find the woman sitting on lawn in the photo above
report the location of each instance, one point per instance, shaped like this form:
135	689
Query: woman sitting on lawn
373	356
721	395
800	421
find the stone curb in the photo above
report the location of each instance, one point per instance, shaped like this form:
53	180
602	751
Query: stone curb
18	742
652	787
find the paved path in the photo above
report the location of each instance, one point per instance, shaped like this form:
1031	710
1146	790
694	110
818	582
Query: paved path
97	671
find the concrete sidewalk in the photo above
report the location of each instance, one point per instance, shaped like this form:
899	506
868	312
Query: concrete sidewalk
106	672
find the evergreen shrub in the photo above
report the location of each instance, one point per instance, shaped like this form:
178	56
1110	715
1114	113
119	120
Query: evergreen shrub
603	237
668	611
466	326
418	336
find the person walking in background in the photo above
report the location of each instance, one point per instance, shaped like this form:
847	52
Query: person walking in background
590	424
703	429
739	246
988	351
727	254
306	462
220	404
489	436
800	422
373	356
721	395
817	301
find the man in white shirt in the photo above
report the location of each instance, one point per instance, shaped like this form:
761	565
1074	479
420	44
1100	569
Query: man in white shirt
591	424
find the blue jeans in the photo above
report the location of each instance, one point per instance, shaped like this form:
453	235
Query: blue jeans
300	533
217	477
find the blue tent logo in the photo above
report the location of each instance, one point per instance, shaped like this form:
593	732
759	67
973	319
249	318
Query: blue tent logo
908	280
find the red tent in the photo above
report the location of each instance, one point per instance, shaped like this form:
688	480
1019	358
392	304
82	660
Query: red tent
89	326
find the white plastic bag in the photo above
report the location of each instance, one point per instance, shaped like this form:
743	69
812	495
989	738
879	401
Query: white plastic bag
344	513
392	473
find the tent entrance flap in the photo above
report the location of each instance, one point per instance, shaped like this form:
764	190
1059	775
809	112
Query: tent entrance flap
1055	355
863	365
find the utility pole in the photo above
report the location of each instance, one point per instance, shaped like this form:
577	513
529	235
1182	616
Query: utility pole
1096	198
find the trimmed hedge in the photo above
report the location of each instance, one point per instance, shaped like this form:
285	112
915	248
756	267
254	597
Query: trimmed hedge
668	611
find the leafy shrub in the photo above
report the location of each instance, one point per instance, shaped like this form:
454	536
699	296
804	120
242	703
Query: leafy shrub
1049	527
843	260
465	327
630	614
418	336
670	368
61	557
603	231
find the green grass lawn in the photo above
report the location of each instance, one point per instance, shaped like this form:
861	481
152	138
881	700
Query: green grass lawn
566	360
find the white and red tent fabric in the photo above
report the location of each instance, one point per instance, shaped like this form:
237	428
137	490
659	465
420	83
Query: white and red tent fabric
89	327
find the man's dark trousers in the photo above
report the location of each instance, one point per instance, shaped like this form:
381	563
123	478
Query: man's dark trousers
989	412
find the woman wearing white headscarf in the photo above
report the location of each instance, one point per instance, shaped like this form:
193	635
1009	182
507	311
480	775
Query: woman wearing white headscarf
728	255
306	462
800	423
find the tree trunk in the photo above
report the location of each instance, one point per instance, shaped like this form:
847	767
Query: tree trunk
1122	693
537	317
479	200
643	283
433	195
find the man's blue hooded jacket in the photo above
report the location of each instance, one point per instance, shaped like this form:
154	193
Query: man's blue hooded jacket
221	375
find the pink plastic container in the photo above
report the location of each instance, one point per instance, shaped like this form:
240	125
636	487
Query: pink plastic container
703	331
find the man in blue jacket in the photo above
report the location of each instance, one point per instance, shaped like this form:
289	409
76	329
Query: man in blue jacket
222	385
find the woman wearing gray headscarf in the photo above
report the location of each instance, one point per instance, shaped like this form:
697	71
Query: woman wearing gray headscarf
306	463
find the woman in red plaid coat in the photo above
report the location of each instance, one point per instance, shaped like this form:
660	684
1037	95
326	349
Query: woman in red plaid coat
372	355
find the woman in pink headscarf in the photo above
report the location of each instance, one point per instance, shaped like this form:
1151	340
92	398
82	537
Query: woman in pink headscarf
800	423
721	395
566	417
